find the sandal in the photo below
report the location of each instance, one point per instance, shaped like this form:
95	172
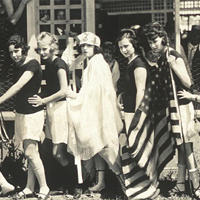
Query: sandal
23	195
176	191
7	190
196	193
42	196
78	191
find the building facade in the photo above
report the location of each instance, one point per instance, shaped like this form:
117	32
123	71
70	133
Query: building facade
122	13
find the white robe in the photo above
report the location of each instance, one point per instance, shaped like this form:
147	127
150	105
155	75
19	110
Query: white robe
94	118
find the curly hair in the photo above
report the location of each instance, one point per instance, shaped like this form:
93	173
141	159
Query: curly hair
153	30
18	42
51	40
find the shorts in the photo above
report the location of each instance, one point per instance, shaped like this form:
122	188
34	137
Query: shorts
29	126
56	122
187	115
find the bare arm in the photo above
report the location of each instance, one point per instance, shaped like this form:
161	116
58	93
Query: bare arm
13	15
38	101
178	66
140	75
26	76
63	87
187	95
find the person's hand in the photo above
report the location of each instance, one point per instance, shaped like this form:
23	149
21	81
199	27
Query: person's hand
185	95
35	101
120	105
170	58
119	102
71	94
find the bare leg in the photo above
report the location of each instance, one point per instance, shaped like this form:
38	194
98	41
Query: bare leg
5	186
30	185
114	163
189	158
59	153
100	166
32	154
113	160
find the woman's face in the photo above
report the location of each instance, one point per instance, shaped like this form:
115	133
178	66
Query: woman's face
44	49
157	45
16	54
126	48
87	50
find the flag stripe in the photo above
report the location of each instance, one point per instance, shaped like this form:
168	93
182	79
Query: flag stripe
148	159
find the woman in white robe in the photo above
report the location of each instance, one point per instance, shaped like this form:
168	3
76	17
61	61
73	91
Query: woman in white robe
94	116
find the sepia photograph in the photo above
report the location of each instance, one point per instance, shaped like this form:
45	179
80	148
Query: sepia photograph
99	99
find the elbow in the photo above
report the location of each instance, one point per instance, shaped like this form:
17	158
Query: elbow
63	93
187	83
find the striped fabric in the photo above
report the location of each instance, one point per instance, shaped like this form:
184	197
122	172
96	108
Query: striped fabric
151	143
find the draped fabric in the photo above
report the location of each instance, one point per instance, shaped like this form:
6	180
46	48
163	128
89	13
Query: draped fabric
151	144
94	118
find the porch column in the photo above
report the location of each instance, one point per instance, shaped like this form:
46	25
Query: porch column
32	23
90	15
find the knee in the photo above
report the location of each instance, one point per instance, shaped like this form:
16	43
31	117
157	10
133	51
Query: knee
30	154
60	158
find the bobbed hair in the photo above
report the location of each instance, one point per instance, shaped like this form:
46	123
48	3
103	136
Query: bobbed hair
108	46
130	34
50	39
18	42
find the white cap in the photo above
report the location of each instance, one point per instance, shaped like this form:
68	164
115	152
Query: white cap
89	38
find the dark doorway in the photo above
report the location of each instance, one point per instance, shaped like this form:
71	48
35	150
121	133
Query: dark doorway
108	26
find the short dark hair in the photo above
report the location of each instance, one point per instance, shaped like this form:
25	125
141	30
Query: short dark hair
108	46
96	49
18	42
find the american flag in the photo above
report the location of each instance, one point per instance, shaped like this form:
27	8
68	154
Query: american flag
151	136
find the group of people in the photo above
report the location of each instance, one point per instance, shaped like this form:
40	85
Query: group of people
152	97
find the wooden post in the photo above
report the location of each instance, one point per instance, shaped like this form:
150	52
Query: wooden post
177	25
32	29
90	15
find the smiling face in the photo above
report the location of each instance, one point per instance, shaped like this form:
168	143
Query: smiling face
16	54
87	50
157	44
44	49
126	48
